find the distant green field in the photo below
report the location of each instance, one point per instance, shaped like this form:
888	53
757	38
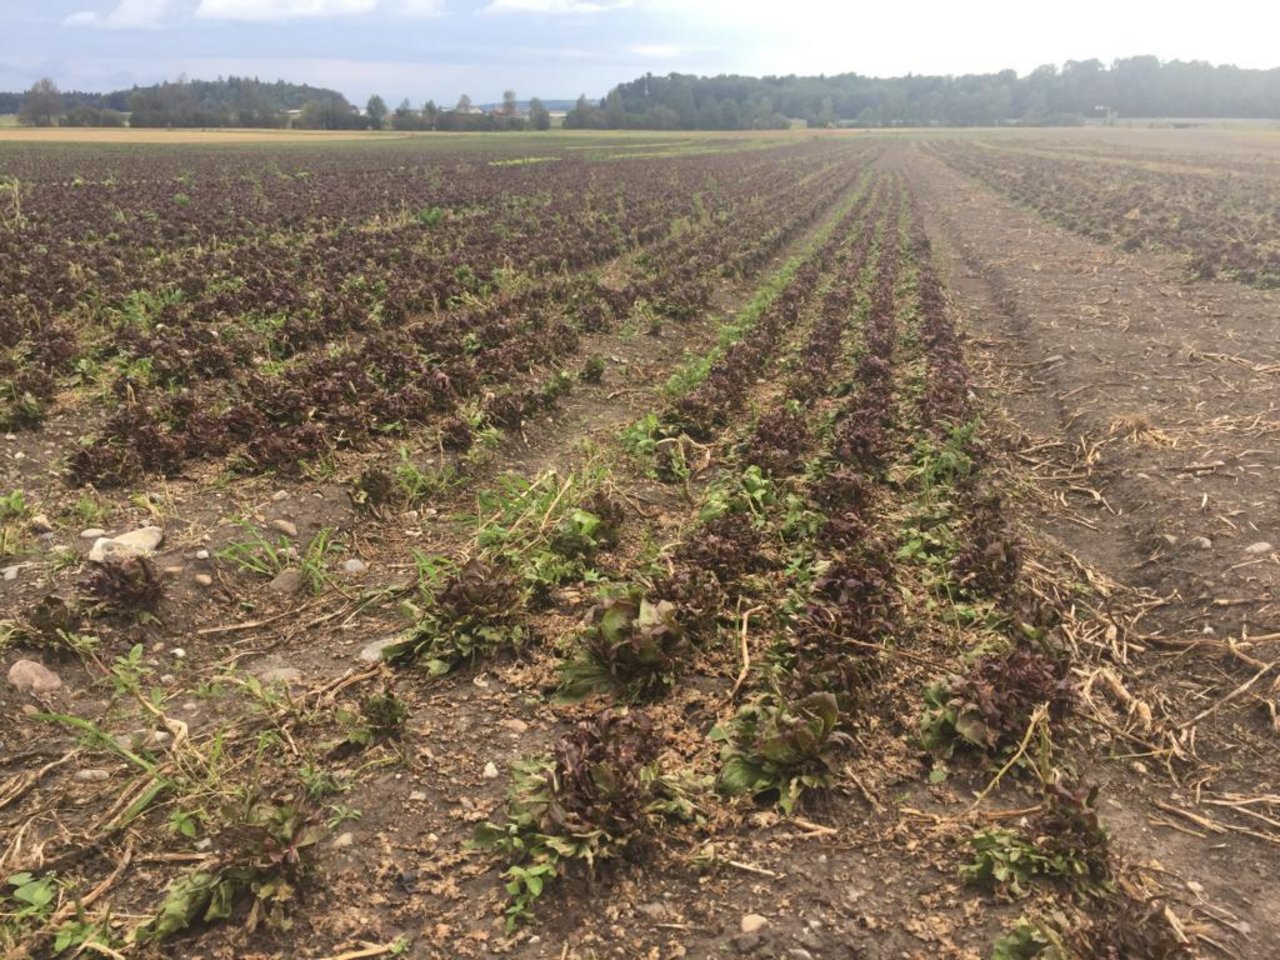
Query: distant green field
8	119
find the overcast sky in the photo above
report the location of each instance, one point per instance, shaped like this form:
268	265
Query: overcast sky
560	48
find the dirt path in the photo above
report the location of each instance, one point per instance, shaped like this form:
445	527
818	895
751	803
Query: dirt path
1149	412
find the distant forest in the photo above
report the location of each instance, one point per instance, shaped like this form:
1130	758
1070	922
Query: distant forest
1080	90
230	102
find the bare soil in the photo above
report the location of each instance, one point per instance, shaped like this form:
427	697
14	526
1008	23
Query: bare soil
1145	411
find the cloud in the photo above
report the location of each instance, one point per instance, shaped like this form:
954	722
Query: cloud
127	15
259	11
267	11
554	6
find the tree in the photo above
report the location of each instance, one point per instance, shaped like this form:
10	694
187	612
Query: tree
508	103
430	114
405	117
376	111
583	116
539	115
42	105
464	104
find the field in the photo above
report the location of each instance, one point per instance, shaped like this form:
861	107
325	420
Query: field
584	546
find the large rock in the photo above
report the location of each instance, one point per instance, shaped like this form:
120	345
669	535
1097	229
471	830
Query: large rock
136	543
29	676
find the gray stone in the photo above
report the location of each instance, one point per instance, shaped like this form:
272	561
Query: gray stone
11	573
1202	543
285	527
202	554
93	533
280	675
417	796
136	543
280	495
354	565
343	840
29	676
372	652
754	923
654	911
287	582
92	775
1259	548
491	771
747	942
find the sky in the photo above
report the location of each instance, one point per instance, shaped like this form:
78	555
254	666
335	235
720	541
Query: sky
439	49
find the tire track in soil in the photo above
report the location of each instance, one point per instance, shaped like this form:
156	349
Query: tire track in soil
1116	352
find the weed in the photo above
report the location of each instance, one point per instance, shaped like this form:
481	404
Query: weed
13	506
314	562
257	554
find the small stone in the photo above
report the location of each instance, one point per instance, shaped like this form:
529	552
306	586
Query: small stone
343	840
354	565
280	675
280	495
92	775
654	911
285	527
178	653
417	796
372	652
287	582
1195	886
28	676
175	570
203	579
203	844
514	724
11	573
202	554
93	533
1259	548
40	524
1202	543
1170	539
754	923
747	942
491	771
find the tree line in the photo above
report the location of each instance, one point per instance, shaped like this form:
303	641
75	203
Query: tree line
246	102
1082	89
